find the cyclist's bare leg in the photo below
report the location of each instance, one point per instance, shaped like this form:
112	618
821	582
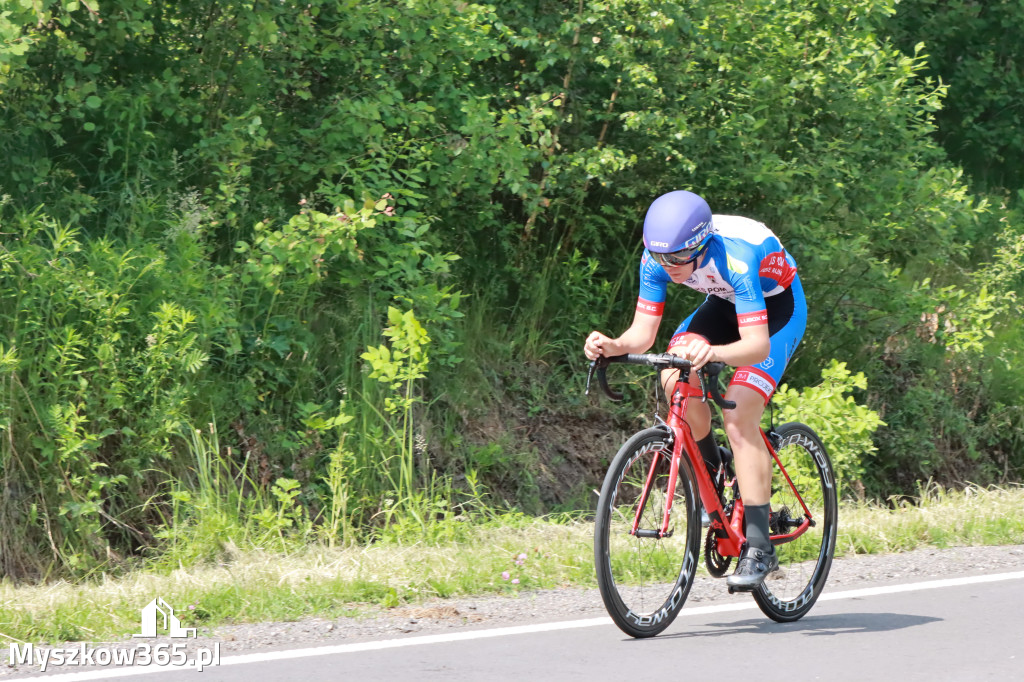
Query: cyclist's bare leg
742	426
751	459
698	414
754	472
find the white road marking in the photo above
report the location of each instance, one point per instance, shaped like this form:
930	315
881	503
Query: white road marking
242	659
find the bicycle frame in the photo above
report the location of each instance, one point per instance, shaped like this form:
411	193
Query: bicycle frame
729	531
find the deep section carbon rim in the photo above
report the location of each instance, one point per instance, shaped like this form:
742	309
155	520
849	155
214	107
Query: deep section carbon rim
645	580
804	562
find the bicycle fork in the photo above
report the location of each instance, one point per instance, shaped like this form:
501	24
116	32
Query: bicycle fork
670	492
675	425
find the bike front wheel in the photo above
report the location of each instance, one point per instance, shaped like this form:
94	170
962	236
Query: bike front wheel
804	561
644	579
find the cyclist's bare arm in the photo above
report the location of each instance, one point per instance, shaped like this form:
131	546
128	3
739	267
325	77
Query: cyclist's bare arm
638	338
752	348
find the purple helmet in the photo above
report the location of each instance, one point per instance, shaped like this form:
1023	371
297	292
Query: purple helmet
677	221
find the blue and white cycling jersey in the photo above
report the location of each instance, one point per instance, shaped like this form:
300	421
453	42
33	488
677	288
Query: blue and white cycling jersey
743	263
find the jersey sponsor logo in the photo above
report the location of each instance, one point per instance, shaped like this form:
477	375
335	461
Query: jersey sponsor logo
650	307
775	266
737	266
684	337
752	319
709	280
759	381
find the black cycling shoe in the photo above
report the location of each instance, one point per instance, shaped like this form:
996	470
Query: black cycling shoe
754	565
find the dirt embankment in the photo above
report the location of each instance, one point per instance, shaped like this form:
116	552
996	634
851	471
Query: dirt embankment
547	462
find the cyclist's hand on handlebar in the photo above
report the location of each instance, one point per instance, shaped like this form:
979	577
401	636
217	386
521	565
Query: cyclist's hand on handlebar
596	345
698	351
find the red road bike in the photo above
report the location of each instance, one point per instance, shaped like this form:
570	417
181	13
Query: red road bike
647	531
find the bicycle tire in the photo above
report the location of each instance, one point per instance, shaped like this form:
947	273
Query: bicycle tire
789	593
644	581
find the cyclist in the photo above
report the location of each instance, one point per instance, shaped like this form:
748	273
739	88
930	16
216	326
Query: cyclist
753	318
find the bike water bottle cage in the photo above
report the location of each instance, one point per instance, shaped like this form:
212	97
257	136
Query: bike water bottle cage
680	257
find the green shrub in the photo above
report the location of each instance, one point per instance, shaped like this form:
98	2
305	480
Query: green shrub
845	427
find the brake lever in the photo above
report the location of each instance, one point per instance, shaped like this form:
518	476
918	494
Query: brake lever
599	365
716	391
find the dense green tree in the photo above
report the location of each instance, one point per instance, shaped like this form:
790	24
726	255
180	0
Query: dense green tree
302	222
973	47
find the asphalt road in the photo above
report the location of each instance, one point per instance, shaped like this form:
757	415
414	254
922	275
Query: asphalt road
958	629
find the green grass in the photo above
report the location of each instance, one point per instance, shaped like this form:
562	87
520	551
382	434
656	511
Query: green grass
938	518
312	581
318	581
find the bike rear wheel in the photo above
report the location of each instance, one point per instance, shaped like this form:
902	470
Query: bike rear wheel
645	580
804	562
